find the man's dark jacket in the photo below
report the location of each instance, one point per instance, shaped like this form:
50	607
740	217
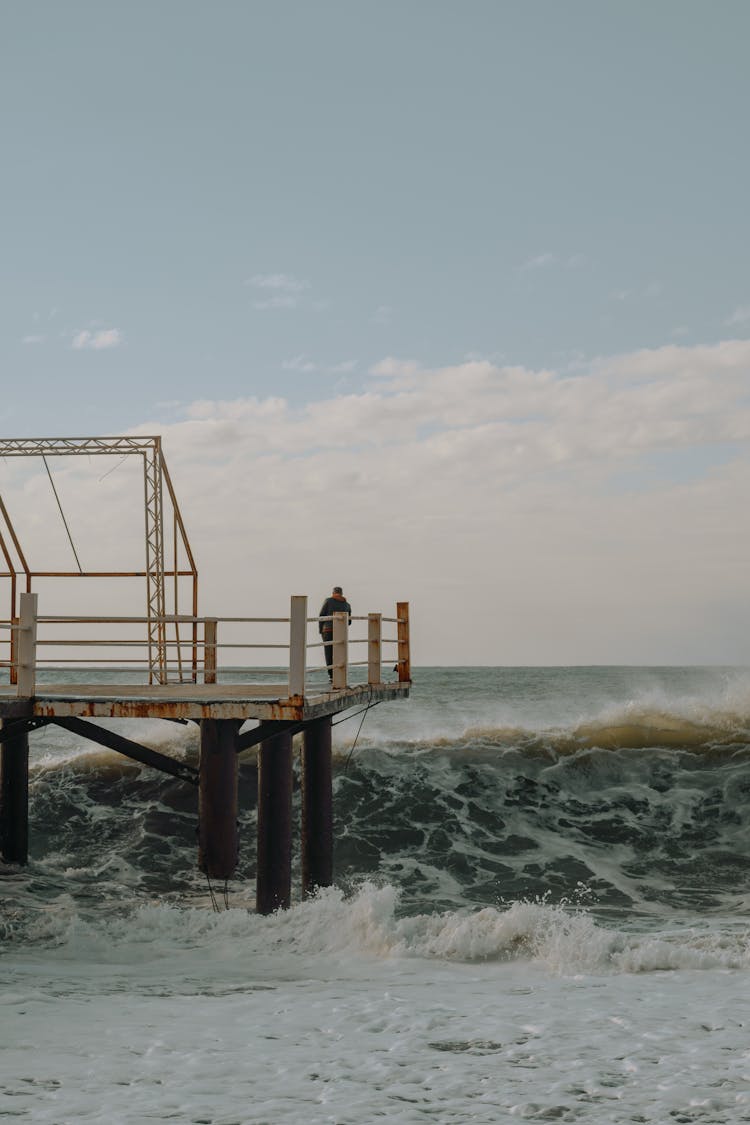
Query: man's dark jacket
332	605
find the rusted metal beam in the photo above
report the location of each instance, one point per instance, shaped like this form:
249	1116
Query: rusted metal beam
105	574
14	537
264	702
404	657
143	754
73	446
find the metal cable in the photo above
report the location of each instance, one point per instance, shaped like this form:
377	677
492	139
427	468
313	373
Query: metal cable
62	513
354	744
214	903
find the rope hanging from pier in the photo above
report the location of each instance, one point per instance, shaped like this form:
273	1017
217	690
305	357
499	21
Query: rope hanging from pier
214	900
354	744
62	513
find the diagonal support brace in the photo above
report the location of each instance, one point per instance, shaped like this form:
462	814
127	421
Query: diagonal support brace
134	750
267	730
13	727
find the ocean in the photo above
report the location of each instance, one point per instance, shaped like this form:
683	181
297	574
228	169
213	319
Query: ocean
540	913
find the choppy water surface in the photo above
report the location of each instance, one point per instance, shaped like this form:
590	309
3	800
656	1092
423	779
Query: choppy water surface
541	911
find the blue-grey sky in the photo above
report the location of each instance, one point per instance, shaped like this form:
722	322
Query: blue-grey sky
305	203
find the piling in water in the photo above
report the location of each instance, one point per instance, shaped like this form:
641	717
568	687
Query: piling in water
218	840
317	806
14	799
274	875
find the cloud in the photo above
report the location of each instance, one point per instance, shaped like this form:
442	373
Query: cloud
300	363
33	339
391	367
531	515
284	290
539	261
280	281
542	261
306	366
741	315
383	315
649	291
97	340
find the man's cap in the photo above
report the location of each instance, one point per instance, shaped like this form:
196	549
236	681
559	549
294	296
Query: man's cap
337	590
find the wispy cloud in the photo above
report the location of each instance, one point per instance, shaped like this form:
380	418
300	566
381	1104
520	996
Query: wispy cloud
301	364
383	315
282	281
280	290
346	367
33	339
541	261
741	315
650	290
306	366
97	339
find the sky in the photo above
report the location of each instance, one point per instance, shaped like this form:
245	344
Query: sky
441	302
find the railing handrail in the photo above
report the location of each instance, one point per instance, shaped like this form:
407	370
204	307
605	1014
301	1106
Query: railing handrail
25	656
169	619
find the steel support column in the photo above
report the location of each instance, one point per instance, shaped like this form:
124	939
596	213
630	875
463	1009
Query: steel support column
218	838
274	876
317	806
14	798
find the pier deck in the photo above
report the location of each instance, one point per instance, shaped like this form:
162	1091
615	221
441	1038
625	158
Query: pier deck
266	702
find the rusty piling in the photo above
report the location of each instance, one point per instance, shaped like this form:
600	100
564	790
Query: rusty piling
218	839
274	874
317	806
14	799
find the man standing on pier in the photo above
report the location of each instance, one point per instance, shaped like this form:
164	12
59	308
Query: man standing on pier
337	603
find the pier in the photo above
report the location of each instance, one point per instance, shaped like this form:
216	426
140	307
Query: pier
71	670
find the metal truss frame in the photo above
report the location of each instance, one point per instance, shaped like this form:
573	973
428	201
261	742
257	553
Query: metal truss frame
156	478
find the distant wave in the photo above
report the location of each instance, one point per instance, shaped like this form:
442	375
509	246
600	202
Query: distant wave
632	728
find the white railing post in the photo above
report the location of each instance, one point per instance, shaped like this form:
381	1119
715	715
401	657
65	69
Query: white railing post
374	648
340	649
297	644
27	646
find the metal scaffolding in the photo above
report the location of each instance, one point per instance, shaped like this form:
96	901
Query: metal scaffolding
155	476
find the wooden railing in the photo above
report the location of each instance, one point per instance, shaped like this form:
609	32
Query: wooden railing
194	657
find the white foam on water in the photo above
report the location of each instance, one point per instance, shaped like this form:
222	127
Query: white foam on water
558	939
341	1011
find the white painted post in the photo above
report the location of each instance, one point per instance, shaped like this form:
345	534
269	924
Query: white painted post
27	646
340	649
297	644
374	639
